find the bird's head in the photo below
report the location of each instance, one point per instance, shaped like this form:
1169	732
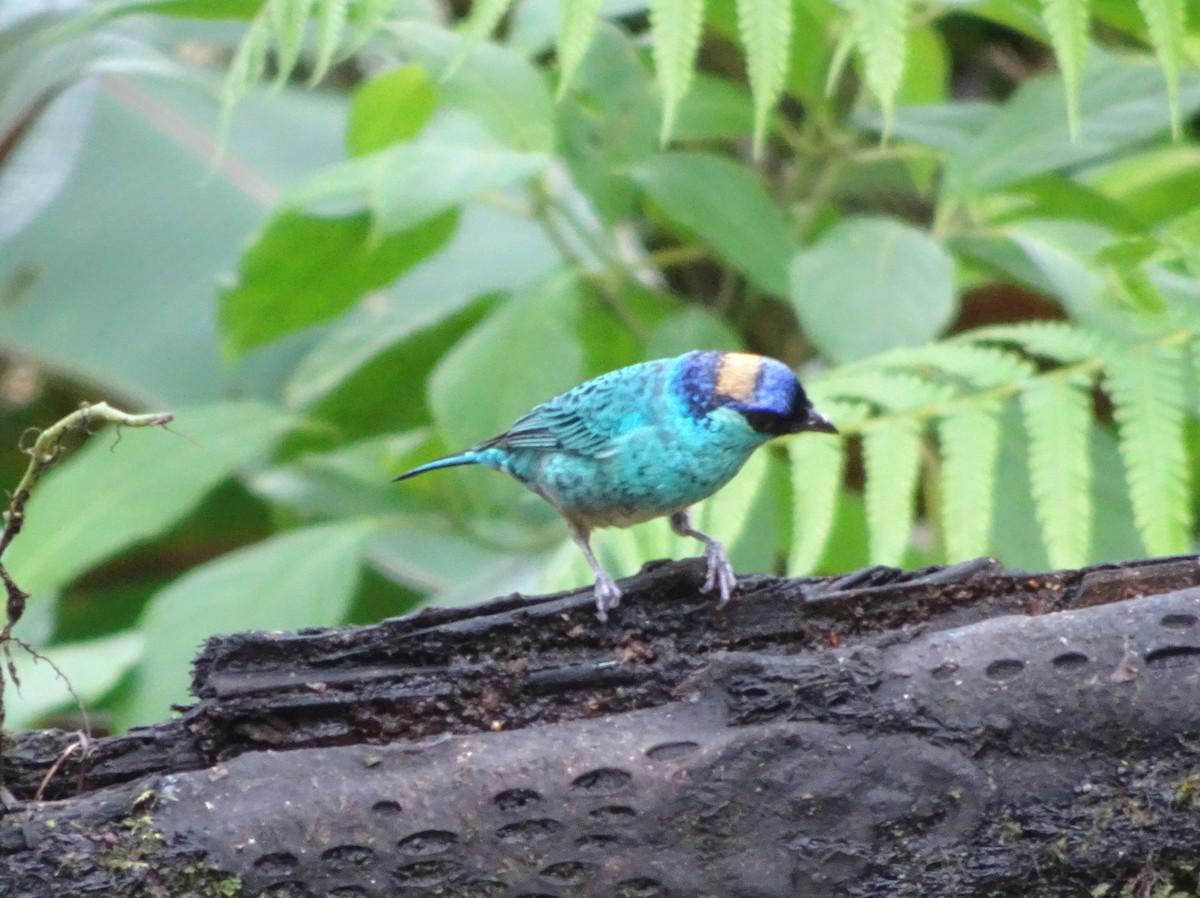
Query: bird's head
762	390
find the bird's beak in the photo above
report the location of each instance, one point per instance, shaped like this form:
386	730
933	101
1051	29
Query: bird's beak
818	422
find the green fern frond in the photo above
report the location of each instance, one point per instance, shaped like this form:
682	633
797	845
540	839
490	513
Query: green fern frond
766	30
816	464
1056	340
1058	423
892	456
1067	22
577	22
880	32
366	16
288	20
892	391
975	364
1165	25
1147	391
482	20
676	28
246	69
331	22
969	437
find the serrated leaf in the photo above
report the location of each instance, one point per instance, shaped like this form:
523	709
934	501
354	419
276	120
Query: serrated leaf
1149	407
288	19
577	22
1058	424
817	463
979	366
892	457
366	16
1067	22
892	391
969	437
246	69
1165	25
880	32
482	20
331	21
1055	340
675	25
766	30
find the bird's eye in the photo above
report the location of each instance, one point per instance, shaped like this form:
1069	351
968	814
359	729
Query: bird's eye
766	422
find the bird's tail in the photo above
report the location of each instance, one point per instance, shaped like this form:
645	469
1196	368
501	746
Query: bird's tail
450	461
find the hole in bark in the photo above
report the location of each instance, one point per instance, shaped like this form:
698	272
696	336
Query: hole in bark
569	872
291	888
614	813
429	841
278	864
1004	668
528	831
944	671
597	841
603	780
1178	621
483	888
347	858
387	808
516	799
1173	656
671	751
640	887
1069	660
424	873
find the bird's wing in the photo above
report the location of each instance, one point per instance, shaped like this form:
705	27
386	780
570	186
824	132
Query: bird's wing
589	418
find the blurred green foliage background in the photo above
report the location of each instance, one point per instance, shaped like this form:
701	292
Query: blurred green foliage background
339	238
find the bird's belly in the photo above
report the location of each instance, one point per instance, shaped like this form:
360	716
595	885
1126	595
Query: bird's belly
642	480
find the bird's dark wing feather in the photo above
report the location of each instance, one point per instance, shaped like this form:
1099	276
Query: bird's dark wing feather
590	417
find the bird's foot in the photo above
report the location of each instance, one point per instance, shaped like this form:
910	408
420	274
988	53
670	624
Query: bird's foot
608	595
720	572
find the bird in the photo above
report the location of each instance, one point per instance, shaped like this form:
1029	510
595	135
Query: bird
648	441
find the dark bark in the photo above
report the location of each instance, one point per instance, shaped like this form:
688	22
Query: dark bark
938	732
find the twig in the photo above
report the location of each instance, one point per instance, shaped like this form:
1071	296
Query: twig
46	449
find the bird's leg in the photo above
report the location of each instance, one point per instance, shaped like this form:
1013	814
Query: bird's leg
720	572
608	594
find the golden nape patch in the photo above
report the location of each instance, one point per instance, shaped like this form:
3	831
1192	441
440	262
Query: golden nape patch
737	374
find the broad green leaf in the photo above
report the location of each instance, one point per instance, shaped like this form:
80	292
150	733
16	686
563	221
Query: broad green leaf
390	108
926	77
408	184
304	270
1067	21
1153	185
303	578
726	206
1120	105
92	669
817	464
766	31
892	457
1149	406
114	495
180	229
879	29
528	344
494	85
969	437
1058	426
691	328
576	25
871	284
675	25
1165	22
714	108
950	126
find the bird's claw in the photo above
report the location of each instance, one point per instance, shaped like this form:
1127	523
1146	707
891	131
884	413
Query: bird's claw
720	573
608	595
